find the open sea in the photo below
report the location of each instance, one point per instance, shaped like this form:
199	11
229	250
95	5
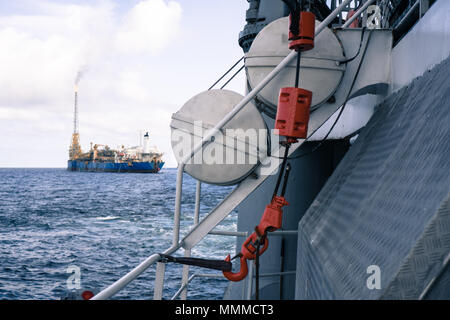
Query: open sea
103	223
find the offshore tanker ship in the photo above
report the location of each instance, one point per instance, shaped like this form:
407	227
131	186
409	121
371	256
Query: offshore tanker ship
142	159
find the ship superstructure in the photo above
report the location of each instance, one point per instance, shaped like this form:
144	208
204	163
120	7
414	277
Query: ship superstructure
367	214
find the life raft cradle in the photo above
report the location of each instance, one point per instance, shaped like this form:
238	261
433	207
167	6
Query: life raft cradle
292	123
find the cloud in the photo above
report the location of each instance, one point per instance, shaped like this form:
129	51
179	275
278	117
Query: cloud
149	27
43	52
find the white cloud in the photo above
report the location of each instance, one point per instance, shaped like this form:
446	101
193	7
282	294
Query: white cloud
33	69
149	27
44	51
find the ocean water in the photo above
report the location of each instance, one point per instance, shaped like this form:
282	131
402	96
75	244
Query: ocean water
103	223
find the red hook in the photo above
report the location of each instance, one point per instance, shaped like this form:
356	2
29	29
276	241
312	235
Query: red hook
248	252
248	249
238	276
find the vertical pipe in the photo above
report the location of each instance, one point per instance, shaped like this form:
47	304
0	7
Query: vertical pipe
198	192
160	267
159	281
249	282
177	214
185	276
187	252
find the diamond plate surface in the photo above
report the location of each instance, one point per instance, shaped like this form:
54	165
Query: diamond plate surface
383	205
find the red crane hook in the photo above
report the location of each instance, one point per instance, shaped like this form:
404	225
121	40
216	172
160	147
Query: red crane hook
238	276
248	252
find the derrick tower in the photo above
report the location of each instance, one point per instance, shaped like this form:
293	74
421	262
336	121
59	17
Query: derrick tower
75	149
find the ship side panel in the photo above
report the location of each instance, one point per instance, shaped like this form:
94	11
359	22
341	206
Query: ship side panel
380	210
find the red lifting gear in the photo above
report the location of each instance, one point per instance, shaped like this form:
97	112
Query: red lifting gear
273	215
355	22
270	221
293	113
304	40
248	252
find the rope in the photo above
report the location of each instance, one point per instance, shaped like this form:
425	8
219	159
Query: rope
297	69
223	76
286	176
283	165
232	77
359	49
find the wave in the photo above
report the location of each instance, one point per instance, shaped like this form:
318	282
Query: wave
107	218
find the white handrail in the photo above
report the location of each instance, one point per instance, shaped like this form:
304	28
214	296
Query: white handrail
130	276
176	244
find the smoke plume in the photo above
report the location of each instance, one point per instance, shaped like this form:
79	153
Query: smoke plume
80	74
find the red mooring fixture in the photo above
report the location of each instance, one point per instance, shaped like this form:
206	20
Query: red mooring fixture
270	221
355	22
272	218
294	103
293	113
304	40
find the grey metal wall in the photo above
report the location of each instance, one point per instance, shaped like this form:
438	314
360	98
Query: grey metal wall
386	204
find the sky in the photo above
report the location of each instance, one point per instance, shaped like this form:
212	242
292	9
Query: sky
139	61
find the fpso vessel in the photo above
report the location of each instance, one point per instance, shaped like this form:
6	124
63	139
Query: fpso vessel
143	159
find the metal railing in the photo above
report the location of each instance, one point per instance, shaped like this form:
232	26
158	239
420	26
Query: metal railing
176	243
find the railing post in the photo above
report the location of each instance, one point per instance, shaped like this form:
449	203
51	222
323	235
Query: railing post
161	267
159	281
250	282
198	192
187	252
185	276
177	213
